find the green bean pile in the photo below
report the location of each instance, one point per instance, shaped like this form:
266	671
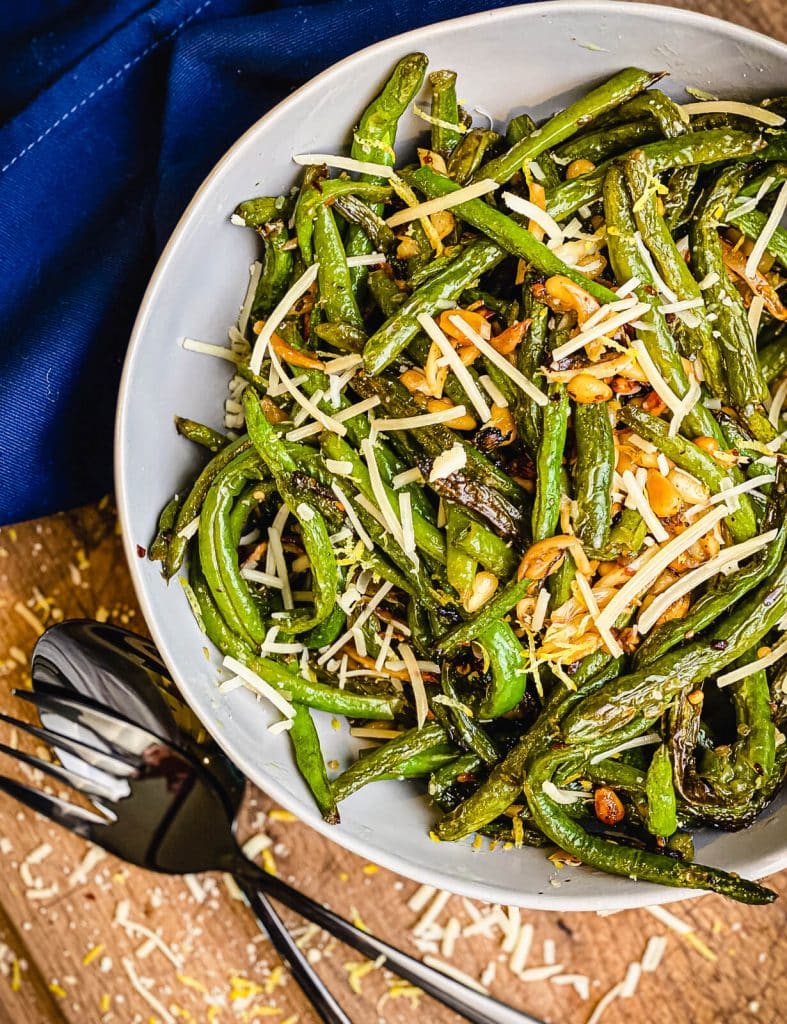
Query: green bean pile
474	494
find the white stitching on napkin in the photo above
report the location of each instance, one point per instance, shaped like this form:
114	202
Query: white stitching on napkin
107	81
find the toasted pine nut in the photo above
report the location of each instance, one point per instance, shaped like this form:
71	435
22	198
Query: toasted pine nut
435	375
608	806
714	449
407	248
677	610
443	222
473	319
625	458
507	340
273	414
589	390
481	590
691	490
524	610
428	158
562	294
579	167
415	380
503	421
662	494
465	422
543	557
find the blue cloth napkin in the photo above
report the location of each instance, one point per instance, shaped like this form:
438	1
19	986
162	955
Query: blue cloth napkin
112	113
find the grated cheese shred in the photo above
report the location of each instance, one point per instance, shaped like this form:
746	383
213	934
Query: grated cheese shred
463	375
693	579
491	353
417	682
462	195
654	566
769	229
749	110
344	163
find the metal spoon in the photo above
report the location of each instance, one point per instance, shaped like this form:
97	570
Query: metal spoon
121	672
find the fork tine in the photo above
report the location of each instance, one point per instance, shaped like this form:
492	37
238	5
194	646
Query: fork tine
91	787
74	818
112	764
122	736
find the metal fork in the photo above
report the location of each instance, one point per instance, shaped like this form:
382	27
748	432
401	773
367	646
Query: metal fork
154	801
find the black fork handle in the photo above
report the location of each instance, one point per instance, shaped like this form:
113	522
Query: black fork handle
473	1005
325	1006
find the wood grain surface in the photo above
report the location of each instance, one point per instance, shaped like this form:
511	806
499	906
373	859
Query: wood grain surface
189	951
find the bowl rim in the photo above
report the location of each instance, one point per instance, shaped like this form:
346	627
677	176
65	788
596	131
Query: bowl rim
422	873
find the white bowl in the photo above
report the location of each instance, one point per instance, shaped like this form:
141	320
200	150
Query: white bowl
534	58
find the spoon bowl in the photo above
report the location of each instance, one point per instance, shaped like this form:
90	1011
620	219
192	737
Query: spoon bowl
107	706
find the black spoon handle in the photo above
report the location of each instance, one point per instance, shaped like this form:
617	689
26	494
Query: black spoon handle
470	1004
325	1006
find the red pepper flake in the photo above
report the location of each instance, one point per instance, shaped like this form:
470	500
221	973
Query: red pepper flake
141	552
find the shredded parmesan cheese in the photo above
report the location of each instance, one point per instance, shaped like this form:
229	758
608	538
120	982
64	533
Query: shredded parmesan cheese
407	476
448	462
691	580
687	404
420	898
432	913
655	379
640	501
255	271
654	566
521	950
80	873
560	796
144	992
748	485
368	259
494	392
535	213
258	684
771	224
380	493
463	375
709	281
288	300
417	682
462	195
428	419
775	411
744	671
314	410
134	928
604	1002
638	741
749	110
680	306
591	604
340	417
754	314
365	614
654	953
599	329
265	578
540	610
408	532
344	163
205	348
500	361
455	973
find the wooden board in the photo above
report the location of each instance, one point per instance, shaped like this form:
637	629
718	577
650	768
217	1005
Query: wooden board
65	958
730	970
